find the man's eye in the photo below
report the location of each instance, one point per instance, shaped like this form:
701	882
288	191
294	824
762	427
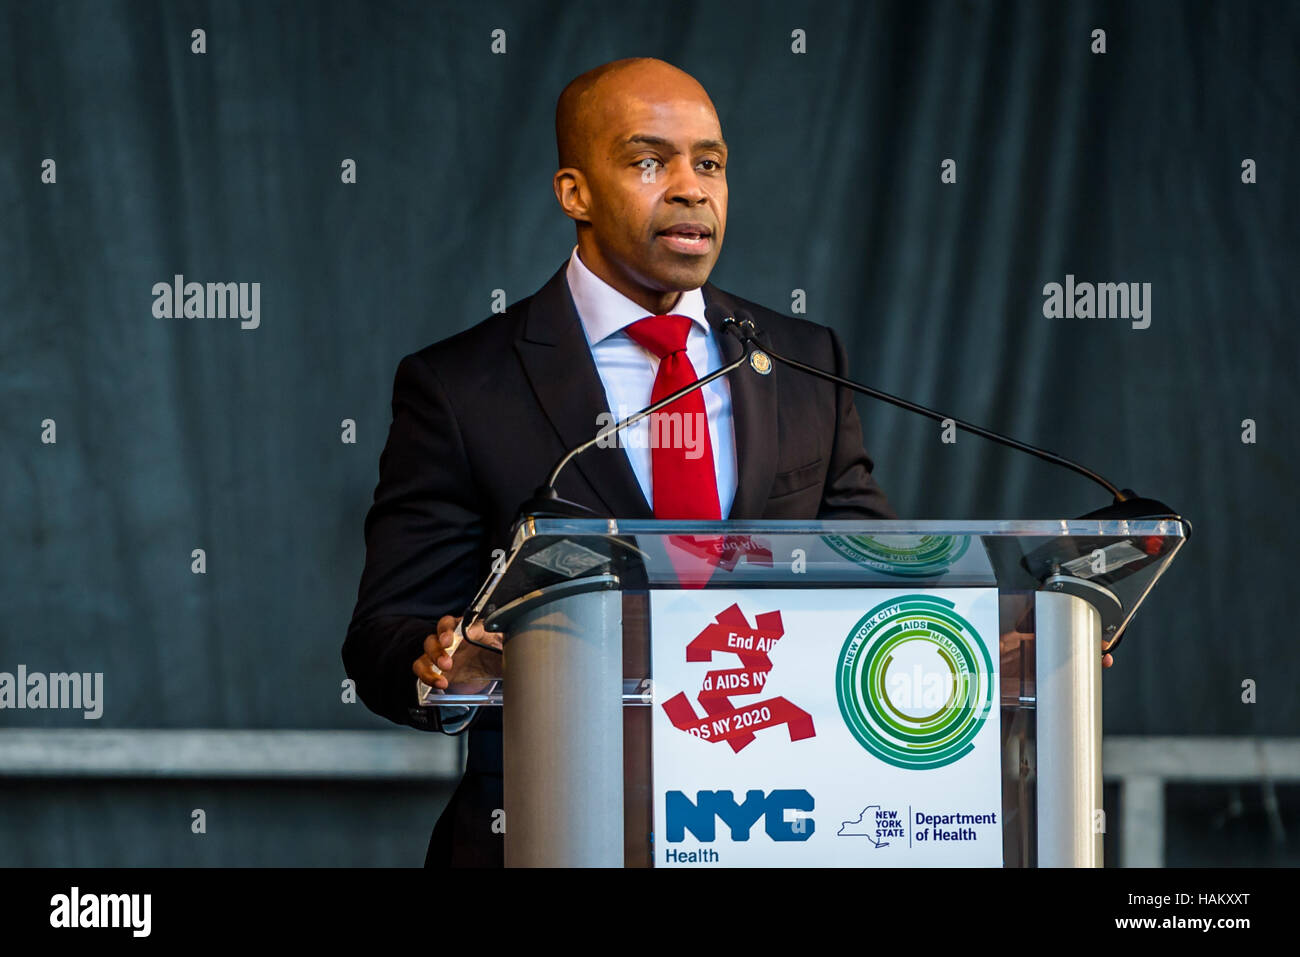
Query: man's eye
714	164
648	162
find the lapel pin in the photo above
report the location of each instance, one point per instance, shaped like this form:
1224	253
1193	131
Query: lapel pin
761	363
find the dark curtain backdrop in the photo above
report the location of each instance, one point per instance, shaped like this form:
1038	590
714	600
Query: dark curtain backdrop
183	434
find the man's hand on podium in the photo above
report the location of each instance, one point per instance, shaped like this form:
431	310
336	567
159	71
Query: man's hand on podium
471	668
1009	647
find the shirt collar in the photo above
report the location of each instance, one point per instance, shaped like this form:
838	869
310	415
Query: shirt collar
605	311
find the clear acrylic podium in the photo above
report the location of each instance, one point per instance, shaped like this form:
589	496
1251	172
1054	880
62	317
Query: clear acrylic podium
571	599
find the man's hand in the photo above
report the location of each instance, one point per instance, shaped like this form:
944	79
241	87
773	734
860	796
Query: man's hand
470	664
1009	644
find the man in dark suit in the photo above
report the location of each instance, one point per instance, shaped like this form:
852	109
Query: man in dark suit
480	418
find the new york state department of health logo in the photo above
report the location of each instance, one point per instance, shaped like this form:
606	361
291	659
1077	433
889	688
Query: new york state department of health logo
914	682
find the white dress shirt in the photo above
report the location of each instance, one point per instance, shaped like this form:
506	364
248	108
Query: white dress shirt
627	371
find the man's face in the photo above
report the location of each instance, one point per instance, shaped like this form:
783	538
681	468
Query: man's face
655	172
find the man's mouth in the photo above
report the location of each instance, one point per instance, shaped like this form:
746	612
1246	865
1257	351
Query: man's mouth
691	238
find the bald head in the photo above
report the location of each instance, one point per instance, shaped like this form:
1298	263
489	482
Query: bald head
643	176
595	101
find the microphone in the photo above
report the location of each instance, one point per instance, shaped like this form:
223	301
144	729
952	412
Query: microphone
546	501
1127	504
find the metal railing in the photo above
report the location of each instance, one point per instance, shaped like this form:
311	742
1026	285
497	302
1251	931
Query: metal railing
1142	766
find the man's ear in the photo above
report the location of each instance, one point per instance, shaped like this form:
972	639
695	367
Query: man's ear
571	190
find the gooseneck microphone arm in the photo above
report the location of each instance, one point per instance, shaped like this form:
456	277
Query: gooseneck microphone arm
636	417
742	328
546	501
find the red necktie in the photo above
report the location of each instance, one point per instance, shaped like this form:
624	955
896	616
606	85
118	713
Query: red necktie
683	487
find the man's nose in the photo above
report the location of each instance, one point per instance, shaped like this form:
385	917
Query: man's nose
684	186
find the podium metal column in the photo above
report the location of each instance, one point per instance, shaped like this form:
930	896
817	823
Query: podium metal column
563	730
1067	649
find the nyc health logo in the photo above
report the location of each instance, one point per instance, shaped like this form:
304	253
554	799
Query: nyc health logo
914	682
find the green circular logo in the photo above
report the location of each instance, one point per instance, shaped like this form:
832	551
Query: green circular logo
909	556
914	682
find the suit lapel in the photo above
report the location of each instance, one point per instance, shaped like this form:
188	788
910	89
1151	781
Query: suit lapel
558	363
753	412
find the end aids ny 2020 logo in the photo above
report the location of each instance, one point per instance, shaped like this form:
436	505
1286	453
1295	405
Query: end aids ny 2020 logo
732	634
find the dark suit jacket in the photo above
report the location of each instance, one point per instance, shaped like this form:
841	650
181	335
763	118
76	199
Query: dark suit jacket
479	419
